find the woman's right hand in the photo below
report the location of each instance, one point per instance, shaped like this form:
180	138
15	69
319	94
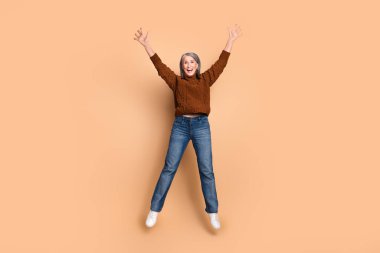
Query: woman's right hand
140	37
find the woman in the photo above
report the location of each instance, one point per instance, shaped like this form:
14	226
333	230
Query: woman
191	92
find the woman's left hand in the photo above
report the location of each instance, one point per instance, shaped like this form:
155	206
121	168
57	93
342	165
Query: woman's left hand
234	32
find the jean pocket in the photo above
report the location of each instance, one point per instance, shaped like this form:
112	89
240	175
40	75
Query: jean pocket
177	121
204	122
204	119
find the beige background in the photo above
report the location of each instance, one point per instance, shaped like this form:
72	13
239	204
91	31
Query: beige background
85	124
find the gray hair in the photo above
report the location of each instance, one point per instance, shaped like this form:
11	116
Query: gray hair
196	58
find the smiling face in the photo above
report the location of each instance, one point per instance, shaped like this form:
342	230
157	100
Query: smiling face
189	65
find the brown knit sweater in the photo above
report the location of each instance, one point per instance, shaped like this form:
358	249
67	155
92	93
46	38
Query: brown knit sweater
191	95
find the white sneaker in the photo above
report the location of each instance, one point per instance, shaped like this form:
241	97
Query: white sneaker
151	219
214	219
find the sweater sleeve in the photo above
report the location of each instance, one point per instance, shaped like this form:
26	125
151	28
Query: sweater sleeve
212	74
164	71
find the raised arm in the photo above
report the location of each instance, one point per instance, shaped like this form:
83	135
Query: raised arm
212	74
164	71
234	33
143	40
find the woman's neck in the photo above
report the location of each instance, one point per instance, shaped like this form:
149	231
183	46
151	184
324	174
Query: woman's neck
190	77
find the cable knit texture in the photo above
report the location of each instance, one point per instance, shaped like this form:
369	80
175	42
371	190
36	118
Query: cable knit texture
191	95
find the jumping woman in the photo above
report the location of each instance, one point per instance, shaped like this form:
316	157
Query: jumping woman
191	90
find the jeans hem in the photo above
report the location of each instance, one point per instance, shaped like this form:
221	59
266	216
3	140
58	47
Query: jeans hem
156	209
208	211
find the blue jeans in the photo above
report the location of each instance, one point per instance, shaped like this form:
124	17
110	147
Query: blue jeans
183	130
